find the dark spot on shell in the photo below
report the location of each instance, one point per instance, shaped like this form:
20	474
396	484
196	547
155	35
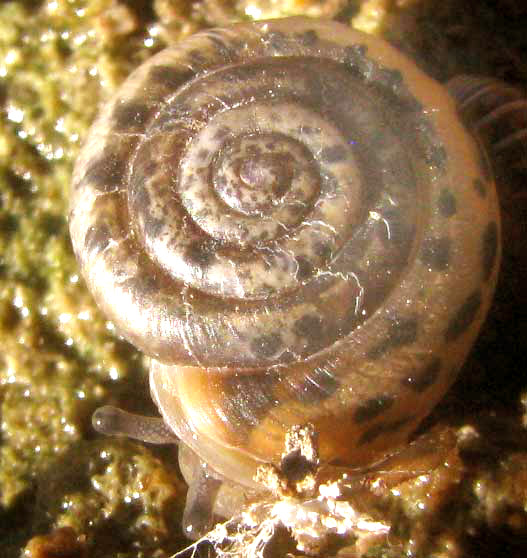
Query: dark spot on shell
97	238
315	387
200	254
304	269
246	400
169	77
399	423
150	283
436	156
435	253
464	317
378	350
267	346
393	79
480	187
197	58
308	38
371	434
105	173
153	226
424	379
323	250
333	154
130	116
383	428
277	40
489	249
354	56
446	204
311	328
146	282
402	331
372	408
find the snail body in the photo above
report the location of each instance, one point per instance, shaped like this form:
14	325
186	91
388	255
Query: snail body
291	220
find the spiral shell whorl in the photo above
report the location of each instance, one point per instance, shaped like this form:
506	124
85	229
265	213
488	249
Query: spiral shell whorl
497	114
299	195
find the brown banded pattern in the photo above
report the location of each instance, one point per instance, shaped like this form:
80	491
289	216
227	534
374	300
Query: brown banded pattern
287	217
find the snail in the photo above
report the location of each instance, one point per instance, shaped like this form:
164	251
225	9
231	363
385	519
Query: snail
292	221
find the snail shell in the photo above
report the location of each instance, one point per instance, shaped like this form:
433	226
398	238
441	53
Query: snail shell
496	113
291	220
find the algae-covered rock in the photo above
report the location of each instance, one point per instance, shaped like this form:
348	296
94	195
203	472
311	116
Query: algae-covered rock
59	357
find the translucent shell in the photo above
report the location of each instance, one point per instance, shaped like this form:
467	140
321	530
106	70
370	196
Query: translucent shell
291	220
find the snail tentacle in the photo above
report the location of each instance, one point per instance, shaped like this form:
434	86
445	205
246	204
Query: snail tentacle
198	515
112	421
